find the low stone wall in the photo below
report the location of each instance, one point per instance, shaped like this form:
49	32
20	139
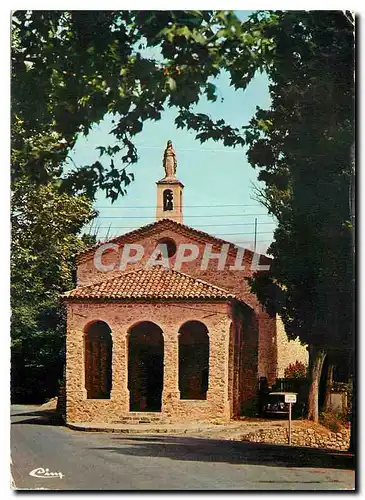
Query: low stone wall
314	438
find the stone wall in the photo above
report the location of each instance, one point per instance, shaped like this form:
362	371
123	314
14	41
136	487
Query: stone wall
120	317
245	338
288	351
314	438
267	347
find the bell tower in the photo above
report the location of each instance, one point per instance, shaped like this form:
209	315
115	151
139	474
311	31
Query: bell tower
169	189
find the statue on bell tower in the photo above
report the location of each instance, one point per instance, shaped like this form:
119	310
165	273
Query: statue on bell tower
169	189
169	160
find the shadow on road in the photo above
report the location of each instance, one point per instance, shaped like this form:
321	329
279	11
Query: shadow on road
39	417
233	452
205	449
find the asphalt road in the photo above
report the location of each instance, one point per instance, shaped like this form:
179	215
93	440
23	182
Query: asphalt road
110	461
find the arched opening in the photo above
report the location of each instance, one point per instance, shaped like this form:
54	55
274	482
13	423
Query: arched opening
145	367
98	346
193	360
168	247
168	200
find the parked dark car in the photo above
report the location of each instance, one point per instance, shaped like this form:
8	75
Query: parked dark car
275	404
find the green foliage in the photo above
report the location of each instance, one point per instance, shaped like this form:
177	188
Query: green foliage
304	153
303	149
45	225
296	370
79	66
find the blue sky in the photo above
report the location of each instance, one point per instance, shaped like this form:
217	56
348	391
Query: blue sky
218	194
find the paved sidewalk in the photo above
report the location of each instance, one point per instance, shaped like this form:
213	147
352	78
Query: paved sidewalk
234	429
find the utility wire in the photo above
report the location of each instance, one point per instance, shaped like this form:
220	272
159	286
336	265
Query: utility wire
247	242
250	242
201	225
231	234
188	216
194	149
185	206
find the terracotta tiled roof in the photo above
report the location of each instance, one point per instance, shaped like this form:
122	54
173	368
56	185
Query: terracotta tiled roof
161	225
154	283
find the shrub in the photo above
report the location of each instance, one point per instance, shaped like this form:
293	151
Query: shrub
296	370
334	420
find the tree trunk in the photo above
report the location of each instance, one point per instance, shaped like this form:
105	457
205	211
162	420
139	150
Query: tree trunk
316	359
329	383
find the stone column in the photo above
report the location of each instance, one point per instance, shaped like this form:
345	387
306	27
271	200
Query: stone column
170	393
119	392
75	372
217	393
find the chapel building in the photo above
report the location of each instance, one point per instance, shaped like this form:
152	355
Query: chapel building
163	323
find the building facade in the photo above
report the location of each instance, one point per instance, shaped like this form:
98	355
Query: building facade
163	322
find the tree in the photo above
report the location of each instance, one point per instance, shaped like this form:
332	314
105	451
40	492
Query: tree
307	168
303	148
44	243
79	66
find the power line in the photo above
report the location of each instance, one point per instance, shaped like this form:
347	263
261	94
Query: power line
185	206
229	234
254	245
201	150
188	216
246	242
201	225
250	242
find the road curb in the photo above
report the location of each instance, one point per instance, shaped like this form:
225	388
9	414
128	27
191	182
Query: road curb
131	430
